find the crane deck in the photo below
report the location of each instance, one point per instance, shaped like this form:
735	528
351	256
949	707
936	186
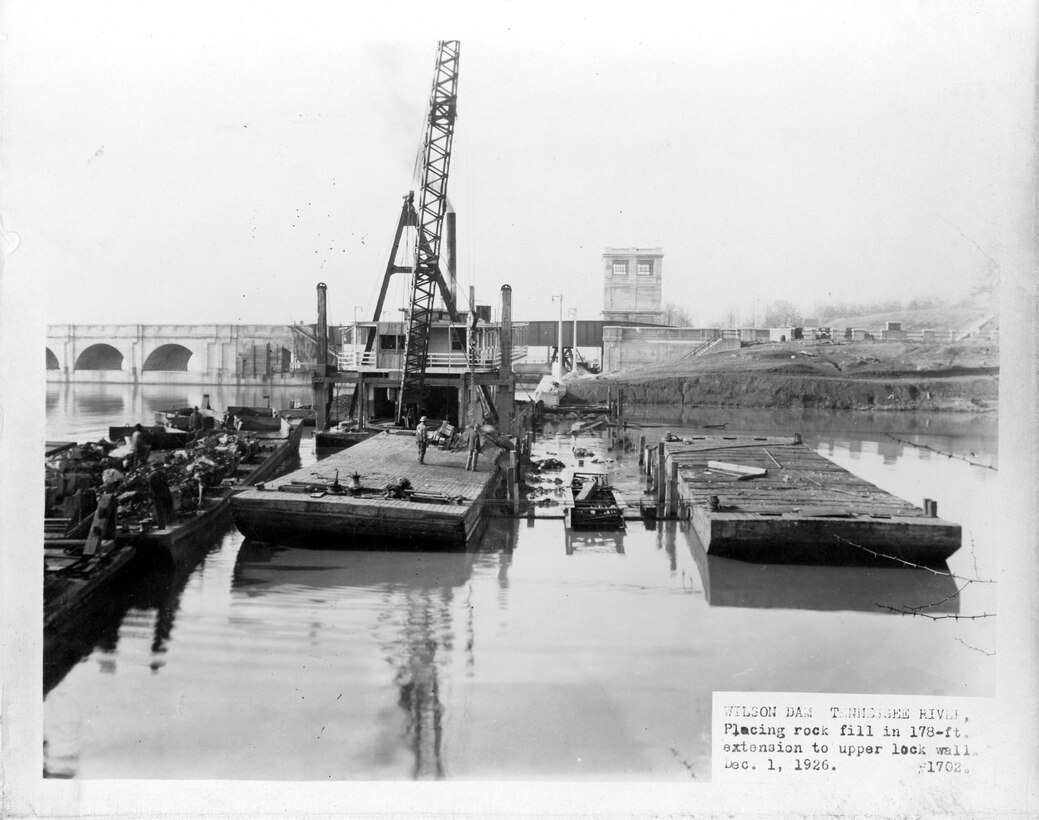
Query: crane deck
776	499
395	502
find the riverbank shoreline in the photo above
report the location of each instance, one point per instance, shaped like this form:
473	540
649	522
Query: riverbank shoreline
869	376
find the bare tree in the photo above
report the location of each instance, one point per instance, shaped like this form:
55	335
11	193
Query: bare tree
675	316
781	313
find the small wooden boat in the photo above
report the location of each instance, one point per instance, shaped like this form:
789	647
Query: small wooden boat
251	419
594	505
180	419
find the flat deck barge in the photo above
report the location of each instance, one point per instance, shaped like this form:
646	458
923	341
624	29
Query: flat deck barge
397	501
776	499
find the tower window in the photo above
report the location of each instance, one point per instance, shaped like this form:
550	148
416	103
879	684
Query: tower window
620	268
645	267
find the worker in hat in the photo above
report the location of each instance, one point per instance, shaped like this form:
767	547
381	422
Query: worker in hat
421	435
195	424
473	445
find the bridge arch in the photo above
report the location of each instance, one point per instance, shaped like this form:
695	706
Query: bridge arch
52	360
100	356
170	356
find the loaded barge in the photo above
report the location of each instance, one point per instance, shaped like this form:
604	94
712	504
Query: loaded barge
85	552
376	493
266	458
775	499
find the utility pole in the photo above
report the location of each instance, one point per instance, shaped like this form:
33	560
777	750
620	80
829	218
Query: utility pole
573	351
557	370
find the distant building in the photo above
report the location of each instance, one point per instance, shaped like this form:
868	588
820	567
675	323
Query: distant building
632	279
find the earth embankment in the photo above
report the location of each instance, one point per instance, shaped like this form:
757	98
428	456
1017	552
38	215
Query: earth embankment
962	376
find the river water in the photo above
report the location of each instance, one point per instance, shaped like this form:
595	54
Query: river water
536	656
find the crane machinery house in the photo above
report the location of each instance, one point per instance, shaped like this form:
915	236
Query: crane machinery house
474	346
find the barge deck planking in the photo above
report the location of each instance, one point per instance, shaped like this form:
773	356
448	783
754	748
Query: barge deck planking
327	519
800	509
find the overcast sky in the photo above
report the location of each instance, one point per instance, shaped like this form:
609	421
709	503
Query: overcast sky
211	162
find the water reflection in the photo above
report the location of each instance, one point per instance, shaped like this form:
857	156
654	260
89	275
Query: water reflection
146	601
905	590
415	630
146	598
592	542
94	626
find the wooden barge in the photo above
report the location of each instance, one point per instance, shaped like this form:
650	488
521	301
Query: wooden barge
71	580
85	558
75	570
775	499
180	535
375	494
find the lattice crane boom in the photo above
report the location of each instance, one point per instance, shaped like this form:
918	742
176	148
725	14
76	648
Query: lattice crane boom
440	128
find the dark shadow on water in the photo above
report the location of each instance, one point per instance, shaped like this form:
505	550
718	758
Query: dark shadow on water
150	584
259	564
880	589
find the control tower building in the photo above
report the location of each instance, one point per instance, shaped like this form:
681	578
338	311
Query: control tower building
632	289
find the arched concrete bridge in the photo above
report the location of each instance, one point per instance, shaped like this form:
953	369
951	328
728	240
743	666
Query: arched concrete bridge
189	354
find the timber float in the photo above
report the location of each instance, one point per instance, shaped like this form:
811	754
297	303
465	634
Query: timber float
775	499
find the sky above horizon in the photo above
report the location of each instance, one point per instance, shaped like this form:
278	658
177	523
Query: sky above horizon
211	163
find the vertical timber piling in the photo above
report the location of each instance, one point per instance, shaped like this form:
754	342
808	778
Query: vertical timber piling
661	478
504	398
320	388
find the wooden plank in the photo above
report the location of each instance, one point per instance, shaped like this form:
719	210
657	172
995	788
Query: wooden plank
101	525
729	467
586	490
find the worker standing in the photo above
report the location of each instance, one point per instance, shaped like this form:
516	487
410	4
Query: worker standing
195	424
421	435
473	442
162	498
139	446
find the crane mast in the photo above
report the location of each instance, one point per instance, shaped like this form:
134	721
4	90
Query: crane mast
436	163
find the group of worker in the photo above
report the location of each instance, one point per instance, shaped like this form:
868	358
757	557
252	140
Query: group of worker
472	443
